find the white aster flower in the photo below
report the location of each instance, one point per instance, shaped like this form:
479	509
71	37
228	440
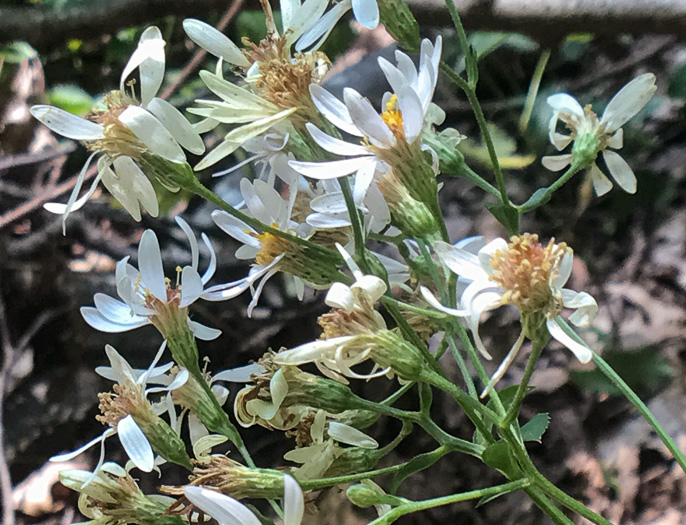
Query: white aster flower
126	131
229	511
271	252
276	81
148	296
592	135
133	392
523	273
366	13
385	138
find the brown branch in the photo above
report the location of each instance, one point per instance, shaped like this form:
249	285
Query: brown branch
46	27
551	20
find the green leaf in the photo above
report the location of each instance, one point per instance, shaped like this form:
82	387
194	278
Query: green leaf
539	198
499	457
506	215
643	369
420	462
677	83
17	52
534	429
71	98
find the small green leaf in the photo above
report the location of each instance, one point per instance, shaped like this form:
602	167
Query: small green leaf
677	83
499	457
539	198
420	462
534	429
506	215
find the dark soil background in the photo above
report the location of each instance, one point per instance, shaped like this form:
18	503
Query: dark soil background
630	256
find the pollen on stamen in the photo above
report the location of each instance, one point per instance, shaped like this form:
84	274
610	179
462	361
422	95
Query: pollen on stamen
393	117
526	270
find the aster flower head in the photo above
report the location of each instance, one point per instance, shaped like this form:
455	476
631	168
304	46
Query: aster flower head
276	81
229	511
524	273
592	135
148	297
272	253
126	408
131	132
390	152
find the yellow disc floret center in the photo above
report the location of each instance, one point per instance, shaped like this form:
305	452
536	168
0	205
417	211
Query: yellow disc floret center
393	117
526	270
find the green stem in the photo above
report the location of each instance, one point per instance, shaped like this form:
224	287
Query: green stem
513	411
543	195
415	506
470	174
547	506
416	309
314	484
471	406
358	231
625	389
533	90
462	365
483	127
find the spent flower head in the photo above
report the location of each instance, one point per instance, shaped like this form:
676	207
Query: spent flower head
592	135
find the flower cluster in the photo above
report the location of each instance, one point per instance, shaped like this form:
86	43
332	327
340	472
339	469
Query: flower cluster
344	198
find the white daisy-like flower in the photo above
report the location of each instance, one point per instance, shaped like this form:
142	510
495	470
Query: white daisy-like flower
229	511
265	204
125	131
523	273
592	135
276	81
366	13
383	136
148	297
135	389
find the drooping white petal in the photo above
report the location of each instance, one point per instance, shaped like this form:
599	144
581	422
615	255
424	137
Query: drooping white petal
459	261
431	299
580	351
556	162
315	36
620	171
173	120
334	110
71	455
149	58
601	184
293	501
152	133
214	42
225	509
565	270
67	124
585	305
367	120
242	374
212	266
136	444
504	365
332	169
366	13
301	19
191	286
628	101
350	436
310	351
565	102
334	145
96	320
202	332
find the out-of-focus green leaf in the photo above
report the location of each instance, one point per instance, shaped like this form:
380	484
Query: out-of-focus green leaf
644	370
17	52
71	98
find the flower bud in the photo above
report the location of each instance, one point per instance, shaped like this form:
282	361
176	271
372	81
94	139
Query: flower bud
354	460
400	23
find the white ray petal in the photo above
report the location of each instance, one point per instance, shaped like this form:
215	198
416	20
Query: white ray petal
214	42
67	124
